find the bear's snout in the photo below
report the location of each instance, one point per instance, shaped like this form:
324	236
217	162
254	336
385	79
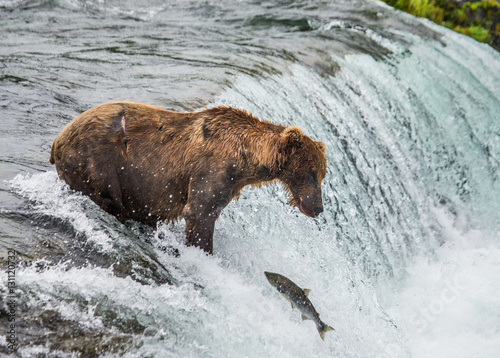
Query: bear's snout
310	209
318	210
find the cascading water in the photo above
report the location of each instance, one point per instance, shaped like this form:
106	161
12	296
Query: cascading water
404	260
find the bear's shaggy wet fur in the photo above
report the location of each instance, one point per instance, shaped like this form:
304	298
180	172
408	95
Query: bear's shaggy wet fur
148	164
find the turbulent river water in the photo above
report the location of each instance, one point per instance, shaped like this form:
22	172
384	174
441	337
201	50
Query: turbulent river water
405	260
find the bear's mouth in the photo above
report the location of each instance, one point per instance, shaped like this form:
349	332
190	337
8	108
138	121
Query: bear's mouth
304	210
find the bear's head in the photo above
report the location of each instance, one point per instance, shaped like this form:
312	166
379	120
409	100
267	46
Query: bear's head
303	167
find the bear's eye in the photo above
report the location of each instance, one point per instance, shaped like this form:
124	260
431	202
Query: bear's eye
312	177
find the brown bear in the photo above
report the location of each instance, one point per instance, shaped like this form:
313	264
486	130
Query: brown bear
148	164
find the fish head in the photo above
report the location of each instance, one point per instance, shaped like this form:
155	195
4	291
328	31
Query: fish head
273	278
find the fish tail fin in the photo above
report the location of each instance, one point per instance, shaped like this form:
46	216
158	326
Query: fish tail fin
323	330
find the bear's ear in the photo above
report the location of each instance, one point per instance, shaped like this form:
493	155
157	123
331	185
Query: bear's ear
321	147
292	137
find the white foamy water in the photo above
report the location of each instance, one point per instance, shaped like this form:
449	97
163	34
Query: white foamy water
53	198
449	305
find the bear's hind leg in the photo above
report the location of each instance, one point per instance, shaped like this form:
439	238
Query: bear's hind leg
103	188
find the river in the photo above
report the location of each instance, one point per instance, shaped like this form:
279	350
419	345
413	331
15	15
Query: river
405	259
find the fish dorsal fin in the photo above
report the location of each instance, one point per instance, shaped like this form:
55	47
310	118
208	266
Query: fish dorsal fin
304	317
306	291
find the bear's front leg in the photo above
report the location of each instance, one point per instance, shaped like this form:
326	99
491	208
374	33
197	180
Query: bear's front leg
200	230
204	205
